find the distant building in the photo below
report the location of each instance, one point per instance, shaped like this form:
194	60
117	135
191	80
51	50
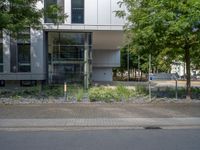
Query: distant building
84	48
178	67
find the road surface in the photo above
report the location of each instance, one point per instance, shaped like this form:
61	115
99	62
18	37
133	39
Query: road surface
176	139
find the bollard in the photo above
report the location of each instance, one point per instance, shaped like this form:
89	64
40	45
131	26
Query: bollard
65	90
176	90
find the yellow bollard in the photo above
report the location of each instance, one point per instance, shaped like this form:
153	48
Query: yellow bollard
65	90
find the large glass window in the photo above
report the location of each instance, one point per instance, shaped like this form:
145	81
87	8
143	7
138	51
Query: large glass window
48	3
20	52
1	57
47	6
68	73
1	51
24	58
1	34
66	56
24	36
72	38
77	11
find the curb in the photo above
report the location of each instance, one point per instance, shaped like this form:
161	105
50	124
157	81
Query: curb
151	123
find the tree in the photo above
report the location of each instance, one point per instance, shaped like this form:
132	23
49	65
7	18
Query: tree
165	25
15	15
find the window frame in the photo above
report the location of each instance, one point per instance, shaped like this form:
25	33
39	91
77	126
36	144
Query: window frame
83	20
1	51
23	64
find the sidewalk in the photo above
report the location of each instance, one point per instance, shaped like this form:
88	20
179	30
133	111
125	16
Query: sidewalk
100	115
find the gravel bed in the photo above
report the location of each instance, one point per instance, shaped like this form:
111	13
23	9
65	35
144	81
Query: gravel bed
135	100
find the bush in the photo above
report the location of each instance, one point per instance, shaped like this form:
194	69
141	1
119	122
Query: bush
73	91
141	90
120	93
100	94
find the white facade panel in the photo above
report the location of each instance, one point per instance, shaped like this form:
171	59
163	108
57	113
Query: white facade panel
104	12
114	19
6	53
78	27
37	52
67	10
102	74
91	12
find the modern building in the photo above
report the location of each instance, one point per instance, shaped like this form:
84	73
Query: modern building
82	49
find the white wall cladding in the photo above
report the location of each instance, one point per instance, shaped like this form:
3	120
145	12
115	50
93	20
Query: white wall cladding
104	12
97	13
116	20
6	53
37	54
101	12
91	12
67	8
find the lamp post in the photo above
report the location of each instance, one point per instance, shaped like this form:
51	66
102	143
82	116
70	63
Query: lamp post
138	66
128	67
149	77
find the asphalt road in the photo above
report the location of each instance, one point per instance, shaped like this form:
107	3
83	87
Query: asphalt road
101	140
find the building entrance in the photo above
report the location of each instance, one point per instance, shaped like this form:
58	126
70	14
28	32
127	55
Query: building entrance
68	57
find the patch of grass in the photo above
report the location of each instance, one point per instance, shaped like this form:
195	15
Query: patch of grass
141	90
100	94
54	91
106	94
19	93
79	95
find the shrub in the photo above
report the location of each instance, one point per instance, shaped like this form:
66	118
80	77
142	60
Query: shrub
100	94
107	94
79	95
141	90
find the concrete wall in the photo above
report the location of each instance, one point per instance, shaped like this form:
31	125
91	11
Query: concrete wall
106	58
38	55
102	74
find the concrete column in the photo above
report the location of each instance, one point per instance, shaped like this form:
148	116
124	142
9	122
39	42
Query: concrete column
6	52
86	62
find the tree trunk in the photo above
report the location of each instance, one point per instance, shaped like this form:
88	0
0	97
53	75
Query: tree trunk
141	76
135	73
188	83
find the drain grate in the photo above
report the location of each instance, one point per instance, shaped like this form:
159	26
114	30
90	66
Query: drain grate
152	127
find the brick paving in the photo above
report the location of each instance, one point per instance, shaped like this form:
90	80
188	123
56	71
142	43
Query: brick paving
103	115
94	110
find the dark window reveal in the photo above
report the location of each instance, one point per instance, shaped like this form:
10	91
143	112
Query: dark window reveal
20	52
48	3
1	51
1	57
77	11
24	58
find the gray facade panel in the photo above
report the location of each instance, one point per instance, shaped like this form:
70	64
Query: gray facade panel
102	74
20	76
106	58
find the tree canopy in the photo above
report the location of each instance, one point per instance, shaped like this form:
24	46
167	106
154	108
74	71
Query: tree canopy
15	15
166	29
